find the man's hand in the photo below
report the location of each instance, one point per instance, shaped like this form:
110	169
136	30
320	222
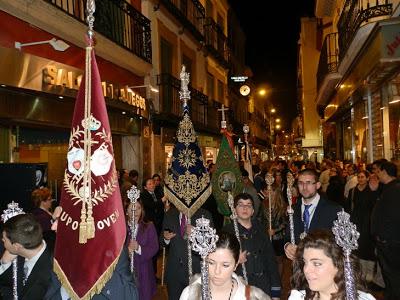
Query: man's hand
242	257
169	235
290	250
271	232
7	257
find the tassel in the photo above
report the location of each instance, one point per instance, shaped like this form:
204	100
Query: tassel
82	232
90	227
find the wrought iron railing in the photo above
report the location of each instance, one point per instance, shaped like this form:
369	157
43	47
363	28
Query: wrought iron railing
354	14
216	42
172	105
328	59
190	13
117	20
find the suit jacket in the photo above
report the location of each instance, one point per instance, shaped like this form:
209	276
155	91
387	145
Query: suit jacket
120	286
38	281
324	215
177	263
154	209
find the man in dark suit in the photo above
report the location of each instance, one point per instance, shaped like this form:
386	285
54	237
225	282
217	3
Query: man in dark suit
175	233
23	240
311	212
153	206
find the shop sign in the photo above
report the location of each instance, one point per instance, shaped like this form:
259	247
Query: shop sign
36	73
53	78
391	41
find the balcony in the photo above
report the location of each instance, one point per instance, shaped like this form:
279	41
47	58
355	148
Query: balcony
117	20
216	42
190	13
327	74
356	13
171	105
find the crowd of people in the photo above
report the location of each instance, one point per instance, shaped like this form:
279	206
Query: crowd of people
369	193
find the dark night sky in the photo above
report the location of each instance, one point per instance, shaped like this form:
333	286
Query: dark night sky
275	24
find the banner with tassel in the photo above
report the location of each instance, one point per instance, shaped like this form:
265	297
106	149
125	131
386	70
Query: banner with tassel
91	229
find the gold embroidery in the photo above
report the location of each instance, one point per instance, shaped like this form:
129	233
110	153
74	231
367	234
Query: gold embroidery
187	158
188	186
186	133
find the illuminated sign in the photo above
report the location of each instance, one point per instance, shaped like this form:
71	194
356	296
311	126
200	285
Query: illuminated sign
239	78
58	77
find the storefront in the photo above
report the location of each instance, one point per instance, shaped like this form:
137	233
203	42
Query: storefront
37	97
366	107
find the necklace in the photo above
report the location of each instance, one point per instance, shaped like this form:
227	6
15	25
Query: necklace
230	293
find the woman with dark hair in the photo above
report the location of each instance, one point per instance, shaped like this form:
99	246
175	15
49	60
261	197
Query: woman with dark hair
318	270
223	282
144	244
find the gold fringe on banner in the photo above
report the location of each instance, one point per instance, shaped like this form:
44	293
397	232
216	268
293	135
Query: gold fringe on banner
95	289
182	207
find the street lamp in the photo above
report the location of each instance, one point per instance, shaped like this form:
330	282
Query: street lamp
58	45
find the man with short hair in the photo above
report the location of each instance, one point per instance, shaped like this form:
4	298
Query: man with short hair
311	212
257	252
385	225
23	240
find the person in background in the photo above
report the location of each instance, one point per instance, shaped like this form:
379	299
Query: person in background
144	247
159	186
385	224
318	270
175	234
223	281
279	220
42	202
335	189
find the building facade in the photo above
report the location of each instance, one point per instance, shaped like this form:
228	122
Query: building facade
358	78
38	84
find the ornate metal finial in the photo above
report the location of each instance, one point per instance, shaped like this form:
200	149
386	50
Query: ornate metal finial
346	236
203	237
90	9
269	179
12	210
133	194
184	93
290	182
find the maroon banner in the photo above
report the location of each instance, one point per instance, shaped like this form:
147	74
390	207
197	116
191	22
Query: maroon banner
91	232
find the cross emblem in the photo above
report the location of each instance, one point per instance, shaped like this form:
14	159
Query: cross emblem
222	110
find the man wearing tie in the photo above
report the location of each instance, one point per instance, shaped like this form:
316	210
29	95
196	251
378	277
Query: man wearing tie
23	240
175	234
312	212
